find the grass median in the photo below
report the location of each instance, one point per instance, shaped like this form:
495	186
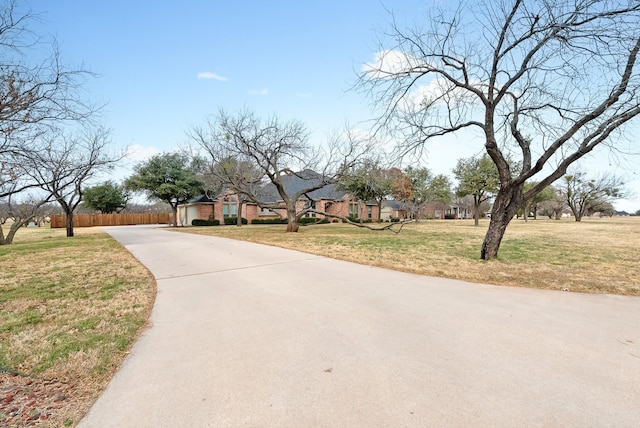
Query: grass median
70	308
594	256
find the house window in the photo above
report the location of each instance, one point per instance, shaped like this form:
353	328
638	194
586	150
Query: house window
353	209
312	205
370	212
229	209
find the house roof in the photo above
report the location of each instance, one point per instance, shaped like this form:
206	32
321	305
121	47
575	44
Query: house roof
200	199
393	204
296	182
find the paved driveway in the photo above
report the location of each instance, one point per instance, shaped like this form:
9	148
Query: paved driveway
247	335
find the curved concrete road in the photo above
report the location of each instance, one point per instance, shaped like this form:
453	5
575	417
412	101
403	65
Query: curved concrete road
247	335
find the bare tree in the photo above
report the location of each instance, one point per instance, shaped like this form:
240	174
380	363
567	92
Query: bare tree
37	91
63	164
555	206
544	81
369	182
273	152
584	195
20	213
229	172
11	179
546	194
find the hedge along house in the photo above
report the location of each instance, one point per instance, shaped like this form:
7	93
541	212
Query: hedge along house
224	206
326	199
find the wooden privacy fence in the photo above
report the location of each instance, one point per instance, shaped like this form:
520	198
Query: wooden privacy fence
89	220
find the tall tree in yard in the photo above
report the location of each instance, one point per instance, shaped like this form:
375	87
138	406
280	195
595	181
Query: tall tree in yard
583	194
166	177
543	81
107	197
425	187
477	177
545	194
21	212
554	206
369	182
401	185
62	164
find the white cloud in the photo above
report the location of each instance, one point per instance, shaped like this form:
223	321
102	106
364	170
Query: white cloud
390	62
210	75
261	92
138	153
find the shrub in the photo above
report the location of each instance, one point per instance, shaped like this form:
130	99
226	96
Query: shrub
277	220
313	220
359	220
450	216
200	222
234	220
395	219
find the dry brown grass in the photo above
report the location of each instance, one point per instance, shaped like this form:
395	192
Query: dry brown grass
70	308
594	256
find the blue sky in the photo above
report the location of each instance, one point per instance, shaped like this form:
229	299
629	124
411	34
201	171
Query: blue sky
165	66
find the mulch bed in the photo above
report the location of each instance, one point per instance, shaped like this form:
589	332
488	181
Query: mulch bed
30	401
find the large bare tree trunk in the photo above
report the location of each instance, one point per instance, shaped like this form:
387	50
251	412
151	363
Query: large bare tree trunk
174	210
17	224
69	224
239	218
292	218
525	211
476	210
578	214
292	225
505	207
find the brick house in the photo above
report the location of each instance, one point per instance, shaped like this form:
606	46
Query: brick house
327	199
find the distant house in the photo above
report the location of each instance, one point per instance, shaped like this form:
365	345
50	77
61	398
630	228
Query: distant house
431	210
326	199
434	209
392	209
